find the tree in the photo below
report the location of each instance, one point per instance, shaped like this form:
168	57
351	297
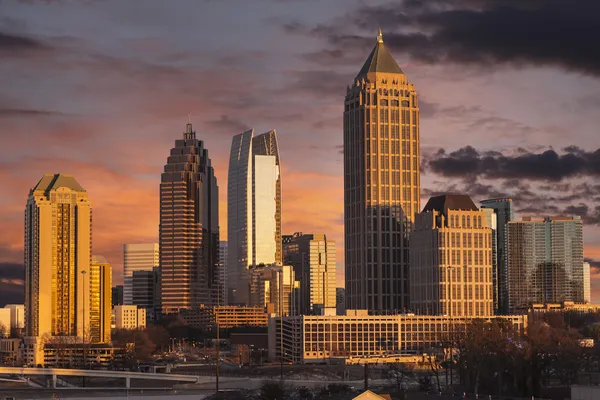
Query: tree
399	374
272	391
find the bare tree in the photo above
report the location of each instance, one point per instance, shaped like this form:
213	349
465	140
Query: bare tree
399	374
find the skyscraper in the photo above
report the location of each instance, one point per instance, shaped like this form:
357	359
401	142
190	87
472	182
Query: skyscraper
146	291
253	209
381	182
587	284
503	208
274	287
100	300
58	242
223	260
117	295
451	259
189	227
137	257
313	259
545	261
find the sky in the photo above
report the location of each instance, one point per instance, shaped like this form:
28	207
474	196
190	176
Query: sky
509	95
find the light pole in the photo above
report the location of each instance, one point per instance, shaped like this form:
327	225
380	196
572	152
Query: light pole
83	273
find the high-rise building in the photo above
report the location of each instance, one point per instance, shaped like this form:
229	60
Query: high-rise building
189	227
451	259
137	257
146	291
503	208
17	318
340	301
100	300
253	210
223	260
58	242
545	261
313	258
275	288
381	182
491	220
587	284
117	295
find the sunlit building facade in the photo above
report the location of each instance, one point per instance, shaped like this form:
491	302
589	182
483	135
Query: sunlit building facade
545	261
275	288
100	300
313	258
189	227
253	210
137	257
587	284
504	212
381	182
451	259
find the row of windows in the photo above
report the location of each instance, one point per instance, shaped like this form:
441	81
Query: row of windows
465	221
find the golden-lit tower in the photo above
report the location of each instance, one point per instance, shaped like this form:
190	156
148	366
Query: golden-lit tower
381	182
58	242
100	300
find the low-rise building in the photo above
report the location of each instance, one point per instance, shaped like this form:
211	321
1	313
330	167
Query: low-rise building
319	339
205	317
11	352
129	317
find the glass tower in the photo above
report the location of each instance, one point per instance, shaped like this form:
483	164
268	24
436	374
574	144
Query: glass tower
189	227
381	182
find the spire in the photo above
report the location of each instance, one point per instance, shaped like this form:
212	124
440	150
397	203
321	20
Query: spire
380	60
189	133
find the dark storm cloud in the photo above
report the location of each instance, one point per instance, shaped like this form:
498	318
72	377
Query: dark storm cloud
544	166
483	32
25	112
228	125
13	44
594	265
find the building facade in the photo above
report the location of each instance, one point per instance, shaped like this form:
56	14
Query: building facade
117	295
189	227
137	257
313	258
545	261
275	288
58	242
381	182
100	300
503	210
5	322
451	259
319	339
129	317
146	291
17	319
227	316
223	260
253	210
587	283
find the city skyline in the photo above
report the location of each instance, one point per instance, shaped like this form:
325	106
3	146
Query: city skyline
106	131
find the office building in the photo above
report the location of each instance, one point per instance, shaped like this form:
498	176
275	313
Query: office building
17	318
503	210
545	261
58	242
228	317
451	259
137	257
129	317
5	322
100	300
117	295
146	291
189	227
587	284
370	338
340	301
381	182
313	258
253	210
274	288
223	260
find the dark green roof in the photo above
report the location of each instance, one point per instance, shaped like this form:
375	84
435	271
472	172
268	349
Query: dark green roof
447	202
380	60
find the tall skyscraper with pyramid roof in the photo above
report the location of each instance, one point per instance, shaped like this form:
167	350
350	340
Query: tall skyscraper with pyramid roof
381	182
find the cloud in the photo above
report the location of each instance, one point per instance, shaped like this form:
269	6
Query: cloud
544	166
227	125
24	112
13	44
486	32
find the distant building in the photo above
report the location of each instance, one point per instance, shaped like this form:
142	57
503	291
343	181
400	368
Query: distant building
381	182
100	300
146	291
587	284
189	227
503	210
340	301
11	352
17	318
313	258
137	257
228	317
129	317
117	295
253	210
309	338
451	259
545	261
5	322
223	260
285	239
274	287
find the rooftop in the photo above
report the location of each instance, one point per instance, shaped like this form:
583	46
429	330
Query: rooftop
55	181
447	202
380	60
